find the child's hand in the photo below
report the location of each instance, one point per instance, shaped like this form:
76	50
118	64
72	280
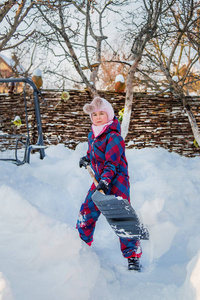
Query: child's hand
103	185
84	162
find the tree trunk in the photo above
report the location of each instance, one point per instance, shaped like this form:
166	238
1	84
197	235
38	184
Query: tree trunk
194	126
129	98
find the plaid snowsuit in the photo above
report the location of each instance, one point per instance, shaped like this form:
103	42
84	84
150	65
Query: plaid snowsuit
106	153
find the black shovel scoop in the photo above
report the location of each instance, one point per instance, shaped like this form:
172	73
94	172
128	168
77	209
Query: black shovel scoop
119	213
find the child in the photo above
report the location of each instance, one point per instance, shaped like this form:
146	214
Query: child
106	154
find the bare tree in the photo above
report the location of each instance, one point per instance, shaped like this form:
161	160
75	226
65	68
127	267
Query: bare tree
176	47
77	27
147	30
14	14
166	40
185	25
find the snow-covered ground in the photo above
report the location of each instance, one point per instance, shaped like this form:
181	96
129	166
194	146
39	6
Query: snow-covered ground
42	257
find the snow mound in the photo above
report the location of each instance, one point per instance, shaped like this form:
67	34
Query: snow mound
42	256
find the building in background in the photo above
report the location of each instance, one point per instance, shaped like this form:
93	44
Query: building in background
10	68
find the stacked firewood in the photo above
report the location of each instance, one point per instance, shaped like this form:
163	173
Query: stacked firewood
156	121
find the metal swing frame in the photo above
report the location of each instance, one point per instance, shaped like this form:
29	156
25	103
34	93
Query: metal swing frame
28	147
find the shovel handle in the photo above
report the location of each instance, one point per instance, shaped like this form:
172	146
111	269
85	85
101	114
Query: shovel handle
93	177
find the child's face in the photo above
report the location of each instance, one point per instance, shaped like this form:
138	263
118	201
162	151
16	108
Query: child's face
99	118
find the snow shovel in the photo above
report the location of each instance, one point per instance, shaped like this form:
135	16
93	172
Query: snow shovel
119	213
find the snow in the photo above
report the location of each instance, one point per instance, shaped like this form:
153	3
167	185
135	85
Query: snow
37	72
119	78
42	256
175	78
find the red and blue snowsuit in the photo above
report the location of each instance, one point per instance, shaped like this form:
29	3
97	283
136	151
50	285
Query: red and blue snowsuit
106	153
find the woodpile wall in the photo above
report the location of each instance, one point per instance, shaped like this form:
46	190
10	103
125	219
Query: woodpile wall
155	121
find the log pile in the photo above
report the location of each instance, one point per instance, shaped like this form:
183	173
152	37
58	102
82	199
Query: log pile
162	122
155	121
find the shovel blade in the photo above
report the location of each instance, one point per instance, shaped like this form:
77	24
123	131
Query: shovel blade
120	215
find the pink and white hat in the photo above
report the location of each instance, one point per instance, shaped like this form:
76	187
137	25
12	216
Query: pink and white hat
99	104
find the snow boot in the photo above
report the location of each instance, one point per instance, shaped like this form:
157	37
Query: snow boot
134	264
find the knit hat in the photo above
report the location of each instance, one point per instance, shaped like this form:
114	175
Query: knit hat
99	104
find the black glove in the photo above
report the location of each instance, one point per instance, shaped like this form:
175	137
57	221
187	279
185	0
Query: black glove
103	185
84	162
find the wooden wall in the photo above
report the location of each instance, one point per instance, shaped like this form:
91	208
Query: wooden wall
155	121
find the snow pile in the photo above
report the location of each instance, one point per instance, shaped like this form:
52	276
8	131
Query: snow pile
42	257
